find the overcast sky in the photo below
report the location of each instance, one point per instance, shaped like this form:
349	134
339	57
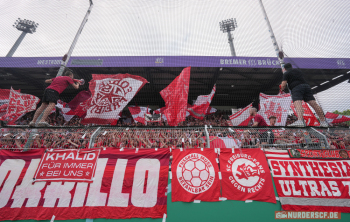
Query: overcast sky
305	28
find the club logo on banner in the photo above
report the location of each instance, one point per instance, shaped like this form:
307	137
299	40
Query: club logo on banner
310	184
195	176
110	94
67	165
275	106
195	173
246	175
126	185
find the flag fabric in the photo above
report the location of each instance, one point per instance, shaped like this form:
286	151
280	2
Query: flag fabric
195	175
110	94
19	104
126	184
309	118
138	113
175	96
242	117
246	175
272	105
201	105
336	118
161	111
4	100
211	110
79	98
66	111
310	184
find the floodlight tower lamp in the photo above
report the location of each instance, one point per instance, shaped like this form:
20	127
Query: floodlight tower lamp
229	25
25	26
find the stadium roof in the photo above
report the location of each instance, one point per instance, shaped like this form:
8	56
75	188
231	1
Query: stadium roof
239	80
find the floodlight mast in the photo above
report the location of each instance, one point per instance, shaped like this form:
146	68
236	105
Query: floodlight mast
229	25
64	63
272	36
26	26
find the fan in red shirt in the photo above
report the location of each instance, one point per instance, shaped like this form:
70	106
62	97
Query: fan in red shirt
51	95
258	120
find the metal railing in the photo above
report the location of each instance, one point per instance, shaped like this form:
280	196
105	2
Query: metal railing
177	137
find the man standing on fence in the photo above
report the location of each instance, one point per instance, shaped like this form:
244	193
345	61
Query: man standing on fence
51	95
300	91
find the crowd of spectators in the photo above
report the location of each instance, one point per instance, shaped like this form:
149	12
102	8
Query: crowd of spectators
192	137
220	118
127	136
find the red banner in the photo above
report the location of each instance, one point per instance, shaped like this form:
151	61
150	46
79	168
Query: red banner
175	96
246	175
67	165
127	184
310	184
195	175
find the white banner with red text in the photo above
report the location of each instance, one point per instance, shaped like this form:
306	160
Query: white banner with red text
310	184
67	165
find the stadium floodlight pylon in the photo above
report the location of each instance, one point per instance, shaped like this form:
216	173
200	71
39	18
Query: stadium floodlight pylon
67	56
279	53
229	25
26	26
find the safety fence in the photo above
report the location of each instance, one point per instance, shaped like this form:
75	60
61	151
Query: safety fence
185	137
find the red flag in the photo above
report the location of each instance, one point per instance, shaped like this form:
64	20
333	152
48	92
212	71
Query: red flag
201	105
309	117
138	113
242	117
110	94
336	118
79	98
175	96
19	104
246	175
195	175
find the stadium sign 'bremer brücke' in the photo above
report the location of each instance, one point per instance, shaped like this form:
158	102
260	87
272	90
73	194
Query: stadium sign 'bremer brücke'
174	61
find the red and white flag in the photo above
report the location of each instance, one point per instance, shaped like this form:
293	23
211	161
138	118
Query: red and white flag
336	118
138	113
277	106
309	117
195	176
201	105
67	112
246	175
310	184
110	94
211	110
4	100
175	96
161	111
242	117
19	104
